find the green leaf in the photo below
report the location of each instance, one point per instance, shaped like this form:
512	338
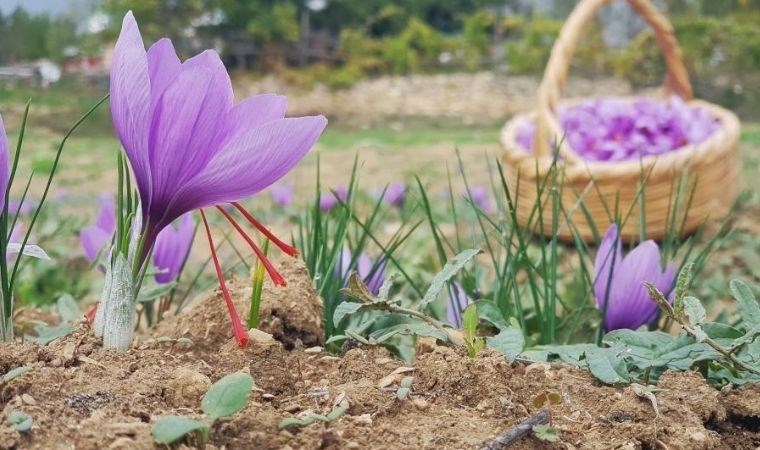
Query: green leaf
694	310
345	309
607	365
68	309
47	334
682	285
415	329
747	303
451	268
470	321
488	311
405	387
156	291
15	373
546	433
20	420
169	429
227	396
509	341
653	349
337	412
385	289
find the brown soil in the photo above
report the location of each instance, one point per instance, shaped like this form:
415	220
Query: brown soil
81	396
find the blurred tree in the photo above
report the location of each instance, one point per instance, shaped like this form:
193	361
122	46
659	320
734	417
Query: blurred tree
160	18
24	37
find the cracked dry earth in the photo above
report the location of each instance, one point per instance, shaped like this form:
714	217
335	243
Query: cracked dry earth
81	396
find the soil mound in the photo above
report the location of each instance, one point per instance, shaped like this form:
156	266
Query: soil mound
81	396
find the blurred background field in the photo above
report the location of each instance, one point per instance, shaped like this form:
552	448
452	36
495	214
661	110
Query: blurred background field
405	84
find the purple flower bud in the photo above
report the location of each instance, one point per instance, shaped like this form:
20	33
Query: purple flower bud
619	282
395	194
328	200
457	303
282	193
172	249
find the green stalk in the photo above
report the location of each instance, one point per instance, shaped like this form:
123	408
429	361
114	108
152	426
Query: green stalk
258	288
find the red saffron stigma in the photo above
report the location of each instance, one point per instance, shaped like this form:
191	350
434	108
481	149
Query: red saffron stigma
277	279
241	336
90	314
287	249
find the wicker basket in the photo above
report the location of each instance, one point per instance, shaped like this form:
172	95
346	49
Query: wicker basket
590	190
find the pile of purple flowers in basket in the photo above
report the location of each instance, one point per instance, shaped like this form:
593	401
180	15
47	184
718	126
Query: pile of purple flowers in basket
615	129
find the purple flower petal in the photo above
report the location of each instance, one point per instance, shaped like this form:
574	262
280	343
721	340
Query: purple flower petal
457	302
608	258
93	239
254	112
628	304
395	194
163	68
282	193
172	249
269	151
328	200
131	101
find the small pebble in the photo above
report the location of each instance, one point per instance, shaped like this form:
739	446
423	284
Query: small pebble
267	396
420	403
316	349
28	399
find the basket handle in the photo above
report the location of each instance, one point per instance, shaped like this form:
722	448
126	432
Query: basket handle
547	125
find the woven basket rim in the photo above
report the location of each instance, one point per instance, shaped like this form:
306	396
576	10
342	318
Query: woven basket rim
710	148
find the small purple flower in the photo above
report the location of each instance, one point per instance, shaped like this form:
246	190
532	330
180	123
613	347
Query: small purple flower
172	249
282	193
364	266
24	209
328	200
395	194
481	198
95	237
457	303
620	280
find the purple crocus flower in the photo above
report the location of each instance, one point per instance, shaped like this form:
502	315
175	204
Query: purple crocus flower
190	147
328	200
620	280
282	193
457	303
395	194
172	249
96	236
364	266
188	144
481	198
24	208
